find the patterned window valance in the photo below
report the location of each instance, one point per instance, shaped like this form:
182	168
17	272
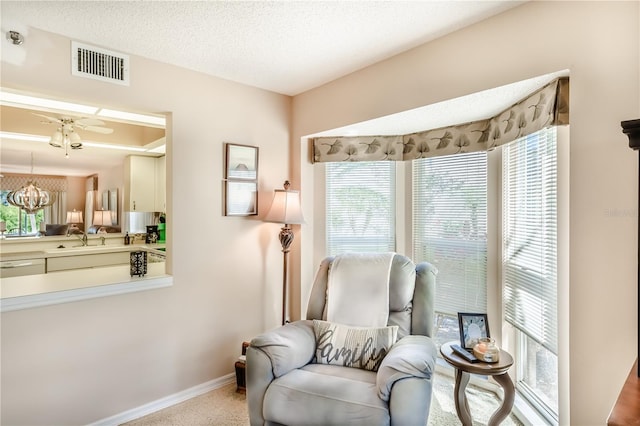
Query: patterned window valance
17	181
548	106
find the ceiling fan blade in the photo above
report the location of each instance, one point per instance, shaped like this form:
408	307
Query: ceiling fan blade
52	119
89	122
103	130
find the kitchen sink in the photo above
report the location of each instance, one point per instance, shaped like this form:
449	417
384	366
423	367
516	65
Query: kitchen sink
87	249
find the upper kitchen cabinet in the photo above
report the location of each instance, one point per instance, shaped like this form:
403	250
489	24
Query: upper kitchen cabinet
161	184
144	184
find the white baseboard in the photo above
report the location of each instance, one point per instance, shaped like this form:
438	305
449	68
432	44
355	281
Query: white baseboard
168	401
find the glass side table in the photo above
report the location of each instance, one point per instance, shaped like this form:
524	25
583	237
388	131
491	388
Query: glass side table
463	371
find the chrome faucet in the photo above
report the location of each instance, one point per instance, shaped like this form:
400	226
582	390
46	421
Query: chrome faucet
84	238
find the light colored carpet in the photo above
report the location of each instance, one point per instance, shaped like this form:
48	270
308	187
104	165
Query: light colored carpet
226	407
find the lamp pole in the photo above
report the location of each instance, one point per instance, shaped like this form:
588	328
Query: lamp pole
285	208
286	238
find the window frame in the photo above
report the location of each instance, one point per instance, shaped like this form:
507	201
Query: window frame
404	222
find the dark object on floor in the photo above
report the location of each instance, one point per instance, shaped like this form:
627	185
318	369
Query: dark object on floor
241	363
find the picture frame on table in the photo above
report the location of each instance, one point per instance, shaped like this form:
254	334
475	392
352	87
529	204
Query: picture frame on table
240	162
473	326
241	198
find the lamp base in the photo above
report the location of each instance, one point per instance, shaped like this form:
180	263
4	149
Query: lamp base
286	237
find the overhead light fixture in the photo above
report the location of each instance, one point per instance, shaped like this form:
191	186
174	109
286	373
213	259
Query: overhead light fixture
12	98
57	139
65	137
30	197
45	139
23	137
25	101
285	209
113	146
130	116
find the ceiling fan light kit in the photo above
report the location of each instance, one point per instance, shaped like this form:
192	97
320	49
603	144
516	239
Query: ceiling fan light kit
56	139
66	137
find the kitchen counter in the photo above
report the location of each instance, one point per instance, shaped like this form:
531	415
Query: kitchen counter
79	251
68	286
61	286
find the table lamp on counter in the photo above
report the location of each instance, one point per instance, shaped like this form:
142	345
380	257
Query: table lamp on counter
102	218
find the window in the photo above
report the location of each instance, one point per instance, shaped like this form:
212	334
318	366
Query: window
360	207
17	221
450	231
529	263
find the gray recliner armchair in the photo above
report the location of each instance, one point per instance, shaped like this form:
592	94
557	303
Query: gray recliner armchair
288	385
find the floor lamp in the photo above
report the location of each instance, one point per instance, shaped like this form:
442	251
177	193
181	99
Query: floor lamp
286	209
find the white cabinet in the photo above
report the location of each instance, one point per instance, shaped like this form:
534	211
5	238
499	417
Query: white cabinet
20	267
161	184
65	263
143	190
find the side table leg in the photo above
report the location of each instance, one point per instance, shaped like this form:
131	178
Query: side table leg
509	394
462	406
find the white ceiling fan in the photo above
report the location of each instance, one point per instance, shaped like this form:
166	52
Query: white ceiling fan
66	136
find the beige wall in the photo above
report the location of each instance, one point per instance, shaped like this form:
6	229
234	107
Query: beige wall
599	42
80	362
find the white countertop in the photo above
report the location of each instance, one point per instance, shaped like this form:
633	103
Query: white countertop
77	251
66	286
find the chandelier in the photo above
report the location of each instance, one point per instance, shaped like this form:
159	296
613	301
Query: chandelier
30	197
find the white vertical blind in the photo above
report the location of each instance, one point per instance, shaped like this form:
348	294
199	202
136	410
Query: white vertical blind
530	236
450	228
360	207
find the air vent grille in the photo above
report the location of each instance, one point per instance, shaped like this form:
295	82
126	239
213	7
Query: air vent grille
99	64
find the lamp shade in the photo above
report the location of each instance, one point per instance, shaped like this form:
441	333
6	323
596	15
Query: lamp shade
74	141
102	218
57	139
285	207
74	217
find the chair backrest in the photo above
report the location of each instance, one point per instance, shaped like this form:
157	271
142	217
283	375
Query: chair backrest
411	295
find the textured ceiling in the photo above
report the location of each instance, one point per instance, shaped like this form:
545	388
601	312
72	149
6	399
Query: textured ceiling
283	46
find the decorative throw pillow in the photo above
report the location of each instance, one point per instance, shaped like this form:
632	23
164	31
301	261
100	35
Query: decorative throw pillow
359	347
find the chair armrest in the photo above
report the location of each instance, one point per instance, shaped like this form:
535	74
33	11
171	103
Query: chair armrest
288	347
411	356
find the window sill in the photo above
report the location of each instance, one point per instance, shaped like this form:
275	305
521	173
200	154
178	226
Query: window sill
33	291
527	414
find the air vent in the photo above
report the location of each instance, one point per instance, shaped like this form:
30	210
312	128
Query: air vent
99	64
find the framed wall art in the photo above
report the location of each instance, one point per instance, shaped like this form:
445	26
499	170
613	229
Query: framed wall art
240	180
472	328
241	162
241	198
